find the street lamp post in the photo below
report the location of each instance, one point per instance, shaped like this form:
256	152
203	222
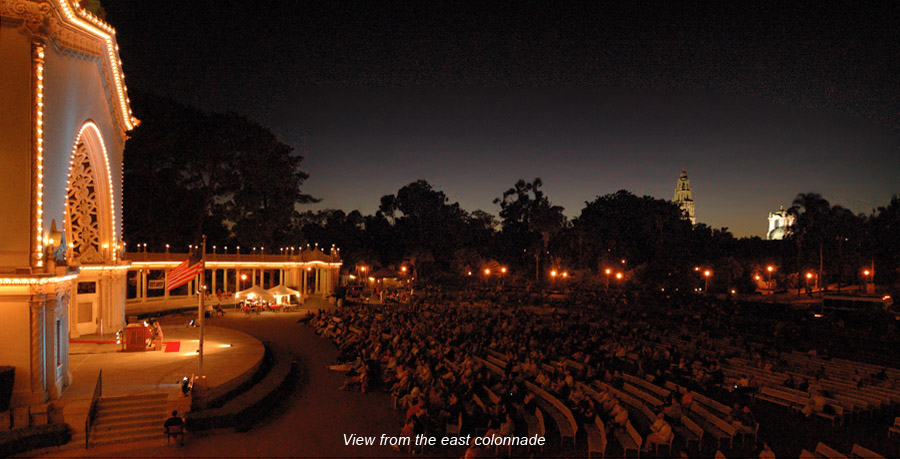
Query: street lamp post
808	277
706	274
769	268
608	272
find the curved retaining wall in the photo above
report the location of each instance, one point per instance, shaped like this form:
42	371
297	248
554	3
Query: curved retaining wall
246	408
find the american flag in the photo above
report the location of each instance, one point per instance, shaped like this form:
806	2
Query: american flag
184	272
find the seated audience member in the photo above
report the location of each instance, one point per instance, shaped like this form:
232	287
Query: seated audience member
661	433
687	400
175	420
619	415
742	419
816	405
766	452
672	411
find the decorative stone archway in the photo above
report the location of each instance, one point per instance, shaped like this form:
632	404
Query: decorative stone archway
90	214
97	300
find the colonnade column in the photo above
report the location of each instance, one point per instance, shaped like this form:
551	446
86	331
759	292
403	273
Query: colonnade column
144	284
303	282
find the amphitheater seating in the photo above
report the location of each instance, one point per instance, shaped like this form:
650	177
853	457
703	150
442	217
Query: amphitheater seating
690	432
536	424
629	440
859	451
715	407
560	413
714	425
779	397
894	429
823	450
492	367
596	435
453	429
644	397
647	386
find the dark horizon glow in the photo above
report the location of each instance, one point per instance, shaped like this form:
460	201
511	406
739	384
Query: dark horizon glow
757	103
744	157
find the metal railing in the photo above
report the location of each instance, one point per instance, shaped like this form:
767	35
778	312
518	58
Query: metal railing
92	413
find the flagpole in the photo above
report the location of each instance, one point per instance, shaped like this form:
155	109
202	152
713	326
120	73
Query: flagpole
202	309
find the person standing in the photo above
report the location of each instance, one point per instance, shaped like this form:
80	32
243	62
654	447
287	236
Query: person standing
156	336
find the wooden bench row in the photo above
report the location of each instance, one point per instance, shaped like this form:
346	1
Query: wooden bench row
629	439
657	391
644	397
714	425
596	436
561	414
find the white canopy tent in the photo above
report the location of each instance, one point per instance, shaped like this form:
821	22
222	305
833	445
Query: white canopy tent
254	293
283	294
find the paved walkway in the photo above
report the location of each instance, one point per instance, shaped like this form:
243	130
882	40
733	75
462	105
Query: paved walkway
311	422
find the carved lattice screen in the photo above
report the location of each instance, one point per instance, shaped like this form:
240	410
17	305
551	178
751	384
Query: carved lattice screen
83	216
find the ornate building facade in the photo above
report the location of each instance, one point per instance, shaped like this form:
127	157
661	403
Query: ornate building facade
65	119
779	224
310	271
683	196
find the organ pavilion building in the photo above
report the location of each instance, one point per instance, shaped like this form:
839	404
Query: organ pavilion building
65	118
683	196
64	272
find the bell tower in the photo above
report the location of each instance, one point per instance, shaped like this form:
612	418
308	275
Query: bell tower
683	196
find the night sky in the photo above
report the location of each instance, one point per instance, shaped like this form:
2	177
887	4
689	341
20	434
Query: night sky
758	103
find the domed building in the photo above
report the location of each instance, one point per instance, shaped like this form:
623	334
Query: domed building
780	223
65	119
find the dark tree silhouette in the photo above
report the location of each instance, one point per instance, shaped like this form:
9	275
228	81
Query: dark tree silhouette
188	173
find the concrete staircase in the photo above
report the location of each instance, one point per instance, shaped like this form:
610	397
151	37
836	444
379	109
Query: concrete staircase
129	419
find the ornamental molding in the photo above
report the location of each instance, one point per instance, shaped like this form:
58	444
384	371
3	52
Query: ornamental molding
45	21
83	219
32	14
62	303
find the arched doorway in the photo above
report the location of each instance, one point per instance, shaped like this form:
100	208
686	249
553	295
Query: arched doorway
90	229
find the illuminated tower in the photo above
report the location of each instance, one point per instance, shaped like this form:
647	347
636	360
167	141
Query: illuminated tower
683	196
